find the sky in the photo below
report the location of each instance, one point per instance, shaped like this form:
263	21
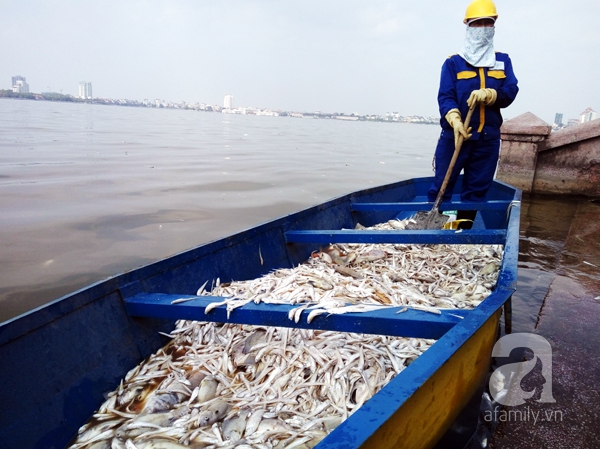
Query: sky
365	57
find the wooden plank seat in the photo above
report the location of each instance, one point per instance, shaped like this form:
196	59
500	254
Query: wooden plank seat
386	321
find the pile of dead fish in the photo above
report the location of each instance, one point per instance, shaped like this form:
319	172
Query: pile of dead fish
225	385
362	277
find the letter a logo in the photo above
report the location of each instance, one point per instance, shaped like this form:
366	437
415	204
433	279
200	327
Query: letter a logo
505	381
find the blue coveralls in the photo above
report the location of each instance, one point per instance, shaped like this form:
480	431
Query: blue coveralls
479	154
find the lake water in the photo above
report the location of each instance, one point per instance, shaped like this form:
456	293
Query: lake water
88	191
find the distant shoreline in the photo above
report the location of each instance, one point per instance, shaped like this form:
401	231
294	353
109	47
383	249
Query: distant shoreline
161	104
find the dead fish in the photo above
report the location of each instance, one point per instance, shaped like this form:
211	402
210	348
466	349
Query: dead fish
281	381
195	377
372	255
319	282
382	297
322	256
490	268
254	421
213	413
250	360
161	402
117	443
141	423
238	356
233	428
295	314
315	313
131	394
350	257
272	425
361	394
107	434
269	426
208	389
104	444
212	305
306	442
254	339
354	309
330	423
160	444
336	255
92	432
347	271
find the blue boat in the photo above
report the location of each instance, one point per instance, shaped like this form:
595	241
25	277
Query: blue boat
57	361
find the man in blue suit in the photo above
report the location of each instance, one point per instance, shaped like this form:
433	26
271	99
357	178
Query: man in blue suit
480	77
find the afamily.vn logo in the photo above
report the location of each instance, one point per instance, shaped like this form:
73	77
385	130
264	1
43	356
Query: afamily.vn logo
505	381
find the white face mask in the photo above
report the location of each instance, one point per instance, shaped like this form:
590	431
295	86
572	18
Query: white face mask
479	46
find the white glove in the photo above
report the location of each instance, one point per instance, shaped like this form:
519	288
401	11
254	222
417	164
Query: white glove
453	117
485	96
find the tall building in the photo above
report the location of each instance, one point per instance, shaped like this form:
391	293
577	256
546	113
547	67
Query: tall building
558	119
19	85
85	90
228	102
587	116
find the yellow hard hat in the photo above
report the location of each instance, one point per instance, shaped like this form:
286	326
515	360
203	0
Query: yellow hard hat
479	9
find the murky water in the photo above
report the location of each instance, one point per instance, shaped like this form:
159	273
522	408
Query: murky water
558	238
88	191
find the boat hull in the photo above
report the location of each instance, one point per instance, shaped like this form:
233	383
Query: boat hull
430	411
59	361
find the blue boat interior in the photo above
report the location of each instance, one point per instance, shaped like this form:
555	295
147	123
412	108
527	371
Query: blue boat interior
64	357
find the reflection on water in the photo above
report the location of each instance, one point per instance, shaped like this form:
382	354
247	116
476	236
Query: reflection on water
545	224
558	238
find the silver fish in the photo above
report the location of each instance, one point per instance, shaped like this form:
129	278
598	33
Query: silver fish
255	338
161	402
213	413
233	428
254	421
208	389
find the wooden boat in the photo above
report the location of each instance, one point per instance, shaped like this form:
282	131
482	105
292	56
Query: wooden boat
58	360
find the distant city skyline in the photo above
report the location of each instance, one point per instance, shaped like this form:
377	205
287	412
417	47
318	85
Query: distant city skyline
588	115
19	85
85	92
228	102
361	57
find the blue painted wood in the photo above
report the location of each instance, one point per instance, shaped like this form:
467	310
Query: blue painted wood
510	260
471	237
387	321
424	206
